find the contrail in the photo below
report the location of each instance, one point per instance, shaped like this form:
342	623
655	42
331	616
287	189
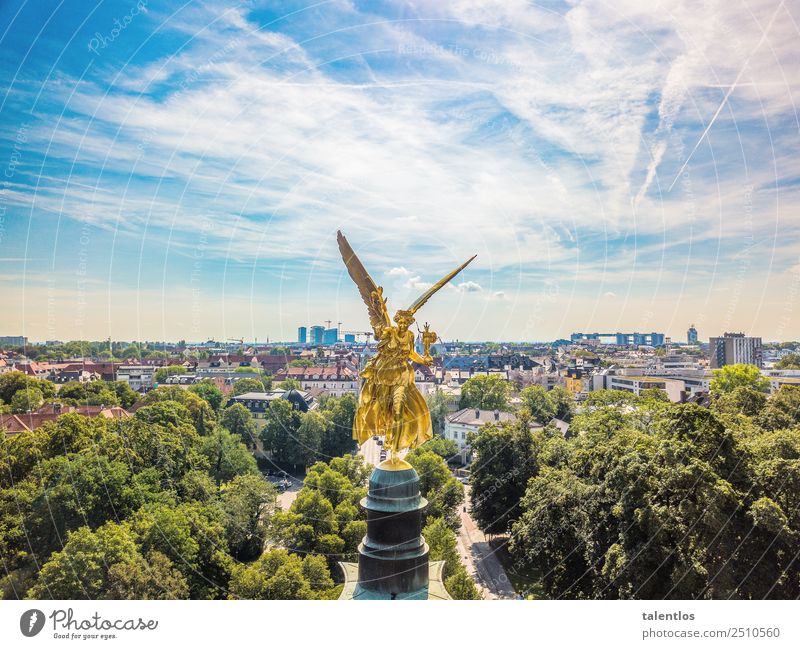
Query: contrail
727	94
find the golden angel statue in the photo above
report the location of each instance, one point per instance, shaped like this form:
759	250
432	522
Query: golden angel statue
389	403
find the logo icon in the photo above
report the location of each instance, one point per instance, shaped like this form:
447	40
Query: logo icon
31	622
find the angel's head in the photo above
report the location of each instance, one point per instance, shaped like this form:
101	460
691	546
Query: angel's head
404	319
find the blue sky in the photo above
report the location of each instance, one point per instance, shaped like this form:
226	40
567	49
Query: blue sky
180	170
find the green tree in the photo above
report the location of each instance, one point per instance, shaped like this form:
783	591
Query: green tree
81	569
507	457
442	543
782	409
150	577
13	382
438	407
279	434
563	403
248	502
788	362
730	377
437	484
338	437
209	392
310	434
27	400
193	536
280	575
243	386
227	456
537	402
487	392
162	373
289	384
742	400
444	448
238	421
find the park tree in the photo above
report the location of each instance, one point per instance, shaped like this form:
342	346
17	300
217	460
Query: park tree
277	574
338	439
27	400
81	569
209	392
310	434
788	362
227	456
442	543
13	382
192	535
742	400
237	420
730	377
245	385
506	459
438	407
486	392
563	403
782	409
279	434
443	491
202	415
444	448
146	577
248	502
536	401
162	373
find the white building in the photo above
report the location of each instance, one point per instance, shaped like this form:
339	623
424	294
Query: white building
138	377
458	425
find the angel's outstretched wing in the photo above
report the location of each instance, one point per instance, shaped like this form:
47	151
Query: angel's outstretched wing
371	293
427	294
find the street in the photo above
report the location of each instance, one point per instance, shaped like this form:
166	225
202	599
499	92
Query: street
480	559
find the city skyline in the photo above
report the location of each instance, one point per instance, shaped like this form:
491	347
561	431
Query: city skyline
181	175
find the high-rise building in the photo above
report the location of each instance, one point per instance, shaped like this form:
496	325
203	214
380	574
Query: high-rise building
330	336
301	334
13	341
349	338
317	333
733	348
691	335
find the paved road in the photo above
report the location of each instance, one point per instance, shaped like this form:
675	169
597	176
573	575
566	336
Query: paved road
481	560
287	497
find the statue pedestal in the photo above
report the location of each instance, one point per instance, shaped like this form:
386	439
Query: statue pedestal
393	557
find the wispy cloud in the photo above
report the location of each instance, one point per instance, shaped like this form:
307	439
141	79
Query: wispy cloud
544	139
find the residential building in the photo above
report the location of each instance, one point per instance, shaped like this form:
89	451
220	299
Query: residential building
733	348
140	378
469	420
258	402
337	380
29	421
675	388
